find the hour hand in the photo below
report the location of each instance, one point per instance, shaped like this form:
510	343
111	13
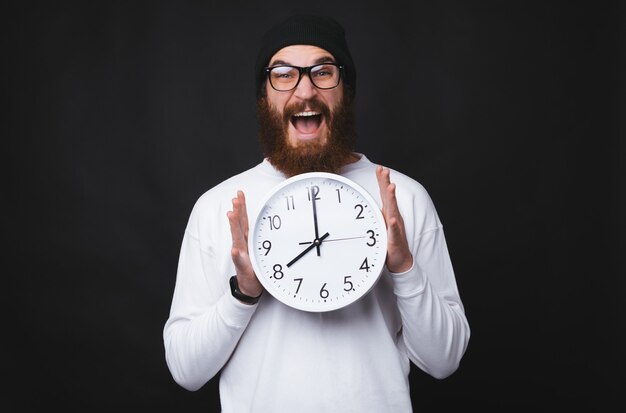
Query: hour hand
316	243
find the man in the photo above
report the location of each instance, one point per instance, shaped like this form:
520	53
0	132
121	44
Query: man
271	357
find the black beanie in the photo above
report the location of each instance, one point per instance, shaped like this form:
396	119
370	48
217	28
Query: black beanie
320	31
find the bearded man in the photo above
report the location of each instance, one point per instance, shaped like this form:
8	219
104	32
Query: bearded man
274	358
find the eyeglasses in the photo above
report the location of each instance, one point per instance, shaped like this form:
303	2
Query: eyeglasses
323	76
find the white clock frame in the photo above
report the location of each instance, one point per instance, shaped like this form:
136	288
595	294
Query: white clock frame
320	269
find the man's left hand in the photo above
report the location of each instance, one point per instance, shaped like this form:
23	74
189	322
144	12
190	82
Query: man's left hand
399	257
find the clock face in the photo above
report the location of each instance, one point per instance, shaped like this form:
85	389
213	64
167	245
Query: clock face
319	242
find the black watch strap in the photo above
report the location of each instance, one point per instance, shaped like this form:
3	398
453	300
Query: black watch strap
234	290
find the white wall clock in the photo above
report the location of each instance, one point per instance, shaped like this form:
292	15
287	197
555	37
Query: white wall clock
318	242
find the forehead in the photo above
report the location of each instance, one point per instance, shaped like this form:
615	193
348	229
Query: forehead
301	55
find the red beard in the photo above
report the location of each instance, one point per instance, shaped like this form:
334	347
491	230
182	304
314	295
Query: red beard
311	156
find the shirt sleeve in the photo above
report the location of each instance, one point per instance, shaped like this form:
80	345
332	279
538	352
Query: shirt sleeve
205	321
435	330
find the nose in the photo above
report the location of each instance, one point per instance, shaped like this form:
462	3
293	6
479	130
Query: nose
305	89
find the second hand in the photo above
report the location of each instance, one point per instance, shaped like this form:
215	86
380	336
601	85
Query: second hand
334	239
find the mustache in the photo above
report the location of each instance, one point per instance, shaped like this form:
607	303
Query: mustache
313	104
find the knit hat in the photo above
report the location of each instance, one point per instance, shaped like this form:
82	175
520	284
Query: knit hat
320	31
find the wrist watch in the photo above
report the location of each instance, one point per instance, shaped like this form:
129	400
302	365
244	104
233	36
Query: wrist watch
234	290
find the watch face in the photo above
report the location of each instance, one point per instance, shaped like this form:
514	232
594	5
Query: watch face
319	242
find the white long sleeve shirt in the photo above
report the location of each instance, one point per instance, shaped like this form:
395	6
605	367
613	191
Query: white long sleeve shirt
274	358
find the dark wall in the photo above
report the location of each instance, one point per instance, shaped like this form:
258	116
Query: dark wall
121	114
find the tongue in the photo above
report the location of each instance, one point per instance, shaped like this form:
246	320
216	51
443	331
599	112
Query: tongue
306	124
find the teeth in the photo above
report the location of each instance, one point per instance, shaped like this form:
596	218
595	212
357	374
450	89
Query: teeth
309	113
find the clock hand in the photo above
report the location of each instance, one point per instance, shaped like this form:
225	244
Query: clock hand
316	243
343	239
317	235
334	239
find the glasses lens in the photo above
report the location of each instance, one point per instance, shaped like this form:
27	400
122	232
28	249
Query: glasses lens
325	76
284	77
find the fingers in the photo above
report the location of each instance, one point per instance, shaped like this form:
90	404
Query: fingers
399	257
382	176
238	220
387	194
244	213
393	219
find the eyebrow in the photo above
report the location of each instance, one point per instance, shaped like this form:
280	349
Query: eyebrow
323	59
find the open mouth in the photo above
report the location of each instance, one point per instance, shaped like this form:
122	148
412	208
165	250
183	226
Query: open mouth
306	122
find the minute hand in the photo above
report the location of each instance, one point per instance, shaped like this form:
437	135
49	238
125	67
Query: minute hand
317	234
316	243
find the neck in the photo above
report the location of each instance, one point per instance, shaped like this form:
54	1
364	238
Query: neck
351	158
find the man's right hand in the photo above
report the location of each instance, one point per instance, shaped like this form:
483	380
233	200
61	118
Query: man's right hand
238	219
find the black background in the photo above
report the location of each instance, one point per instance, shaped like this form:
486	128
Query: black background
121	114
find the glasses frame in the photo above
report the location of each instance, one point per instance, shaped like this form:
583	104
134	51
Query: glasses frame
301	71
